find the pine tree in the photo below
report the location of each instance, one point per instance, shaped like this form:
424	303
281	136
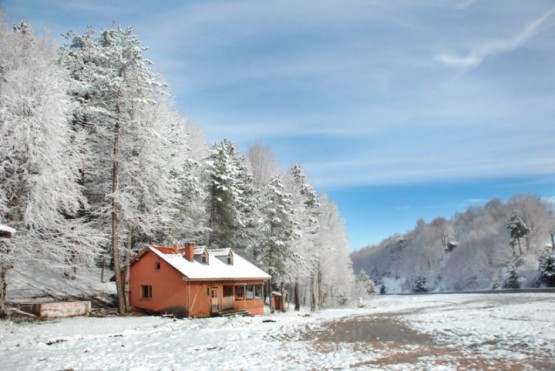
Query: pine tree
365	283
517	230
512	276
229	197
547	267
278	230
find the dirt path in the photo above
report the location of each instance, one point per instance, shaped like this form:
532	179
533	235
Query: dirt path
390	344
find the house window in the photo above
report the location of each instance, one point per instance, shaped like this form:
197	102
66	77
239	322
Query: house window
157	266
239	292
250	292
146	292
258	292
228	290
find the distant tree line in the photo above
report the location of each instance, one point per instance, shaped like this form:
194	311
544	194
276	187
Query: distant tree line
499	245
95	160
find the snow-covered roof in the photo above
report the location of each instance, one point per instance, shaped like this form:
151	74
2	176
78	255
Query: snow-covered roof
4	229
215	269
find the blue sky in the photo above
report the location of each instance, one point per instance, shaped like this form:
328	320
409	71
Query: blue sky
396	109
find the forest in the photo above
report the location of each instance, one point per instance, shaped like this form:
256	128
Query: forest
96	163
498	246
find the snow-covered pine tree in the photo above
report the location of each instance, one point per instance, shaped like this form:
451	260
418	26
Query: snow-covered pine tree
365	283
512	279
537	214
230	193
130	172
39	193
305	212
546	267
517	230
277	230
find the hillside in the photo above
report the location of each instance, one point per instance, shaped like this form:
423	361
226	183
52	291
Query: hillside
499	245
32	283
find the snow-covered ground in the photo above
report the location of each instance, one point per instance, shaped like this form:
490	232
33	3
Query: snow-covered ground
473	331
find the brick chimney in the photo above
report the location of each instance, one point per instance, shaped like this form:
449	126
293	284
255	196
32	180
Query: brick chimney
190	251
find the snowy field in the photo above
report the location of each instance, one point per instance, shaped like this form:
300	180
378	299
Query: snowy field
443	332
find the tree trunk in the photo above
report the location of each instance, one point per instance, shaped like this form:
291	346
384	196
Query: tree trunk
297	296
272	306
320	292
115	209
3	287
127	267
282	298
103	263
312	293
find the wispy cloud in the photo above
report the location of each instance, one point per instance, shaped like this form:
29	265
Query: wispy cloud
500	46
465	4
350	90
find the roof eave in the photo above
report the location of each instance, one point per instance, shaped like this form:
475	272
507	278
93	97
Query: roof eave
226	279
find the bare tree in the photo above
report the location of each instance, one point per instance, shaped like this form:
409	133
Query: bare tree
39	191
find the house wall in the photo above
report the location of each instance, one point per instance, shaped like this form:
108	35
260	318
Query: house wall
200	299
168	288
254	306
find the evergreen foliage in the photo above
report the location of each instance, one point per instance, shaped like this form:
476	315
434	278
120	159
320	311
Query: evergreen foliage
512	277
278	229
517	230
547	267
365	283
230	194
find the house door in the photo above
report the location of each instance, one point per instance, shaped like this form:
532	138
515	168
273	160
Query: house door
214	300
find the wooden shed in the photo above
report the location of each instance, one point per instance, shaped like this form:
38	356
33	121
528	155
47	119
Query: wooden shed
195	282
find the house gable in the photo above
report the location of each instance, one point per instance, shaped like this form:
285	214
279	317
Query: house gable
202	256
164	282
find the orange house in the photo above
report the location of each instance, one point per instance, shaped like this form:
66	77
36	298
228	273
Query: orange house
195	282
